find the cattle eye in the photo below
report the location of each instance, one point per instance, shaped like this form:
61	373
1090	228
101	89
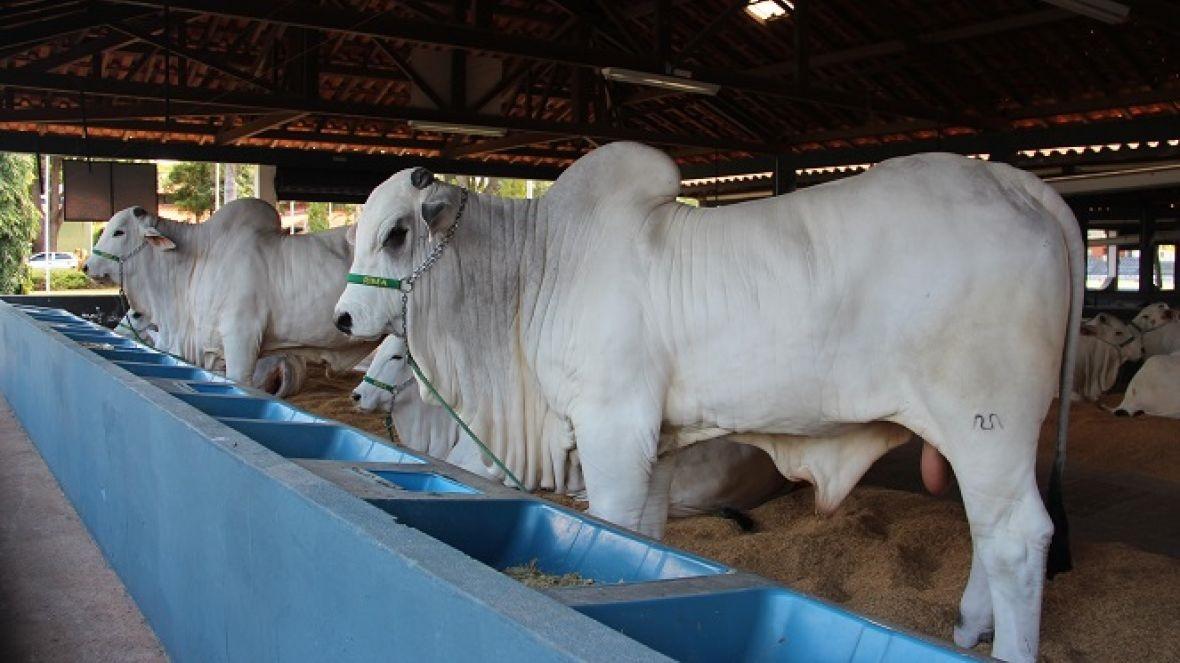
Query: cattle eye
118	233
1118	333
395	238
397	357
137	315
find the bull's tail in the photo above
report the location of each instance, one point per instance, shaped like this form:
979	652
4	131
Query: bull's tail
1060	559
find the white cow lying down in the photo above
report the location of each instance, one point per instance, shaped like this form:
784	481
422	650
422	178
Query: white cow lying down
233	287
788	323
1159	325
708	477
1106	344
282	375
1155	389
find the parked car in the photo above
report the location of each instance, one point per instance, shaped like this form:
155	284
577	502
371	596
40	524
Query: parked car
53	260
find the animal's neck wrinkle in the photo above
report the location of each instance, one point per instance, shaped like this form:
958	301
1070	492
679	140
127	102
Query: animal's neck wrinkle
465	325
159	292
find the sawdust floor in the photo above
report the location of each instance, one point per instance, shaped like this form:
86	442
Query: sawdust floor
896	554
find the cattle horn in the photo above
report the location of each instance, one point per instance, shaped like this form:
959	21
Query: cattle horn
421	178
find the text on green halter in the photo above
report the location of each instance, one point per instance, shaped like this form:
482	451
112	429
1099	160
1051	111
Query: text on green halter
376	281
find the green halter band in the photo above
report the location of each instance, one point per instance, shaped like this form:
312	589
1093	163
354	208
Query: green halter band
375	281
380	385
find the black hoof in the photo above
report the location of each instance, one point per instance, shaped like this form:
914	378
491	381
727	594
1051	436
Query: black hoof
744	522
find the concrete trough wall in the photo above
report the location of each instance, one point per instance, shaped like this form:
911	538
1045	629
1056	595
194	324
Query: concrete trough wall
249	530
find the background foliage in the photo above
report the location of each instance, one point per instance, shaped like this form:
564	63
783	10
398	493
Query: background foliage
191	185
317	217
64	279
19	218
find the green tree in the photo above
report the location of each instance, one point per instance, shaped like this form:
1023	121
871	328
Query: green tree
191	185
18	219
317	217
495	186
244	180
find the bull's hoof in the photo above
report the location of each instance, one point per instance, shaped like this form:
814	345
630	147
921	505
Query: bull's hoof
967	636
743	521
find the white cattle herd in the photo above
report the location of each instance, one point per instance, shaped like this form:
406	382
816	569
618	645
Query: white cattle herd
609	342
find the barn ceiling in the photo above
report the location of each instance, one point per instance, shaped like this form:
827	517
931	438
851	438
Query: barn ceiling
368	82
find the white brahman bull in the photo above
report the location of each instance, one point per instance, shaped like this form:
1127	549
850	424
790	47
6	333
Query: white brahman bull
1159	325
233	287
710	477
1106	344
934	294
1155	389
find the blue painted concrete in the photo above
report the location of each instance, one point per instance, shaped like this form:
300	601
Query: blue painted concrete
234	553
424	482
764	624
199	493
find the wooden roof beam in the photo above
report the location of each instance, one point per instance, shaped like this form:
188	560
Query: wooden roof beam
897	46
467	37
255	127
500	144
193	54
266	103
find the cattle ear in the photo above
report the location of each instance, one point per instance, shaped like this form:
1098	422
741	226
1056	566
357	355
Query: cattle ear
439	214
350	235
158	241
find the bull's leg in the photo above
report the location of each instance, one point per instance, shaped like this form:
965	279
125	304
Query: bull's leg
1010	531
618	457
975	623
241	354
654	514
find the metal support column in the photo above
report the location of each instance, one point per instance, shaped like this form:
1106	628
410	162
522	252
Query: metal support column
1146	248
786	179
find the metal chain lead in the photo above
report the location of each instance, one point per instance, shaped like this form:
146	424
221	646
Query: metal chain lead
407	284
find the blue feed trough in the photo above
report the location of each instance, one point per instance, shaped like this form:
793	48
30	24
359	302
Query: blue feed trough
424	482
364	550
508	533
758	625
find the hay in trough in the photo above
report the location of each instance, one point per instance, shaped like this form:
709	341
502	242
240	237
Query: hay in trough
96	346
531	576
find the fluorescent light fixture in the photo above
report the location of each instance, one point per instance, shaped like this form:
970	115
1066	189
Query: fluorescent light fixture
1106	11
765	10
452	128
674	83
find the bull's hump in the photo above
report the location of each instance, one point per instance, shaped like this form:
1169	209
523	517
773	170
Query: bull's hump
625	170
246	214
